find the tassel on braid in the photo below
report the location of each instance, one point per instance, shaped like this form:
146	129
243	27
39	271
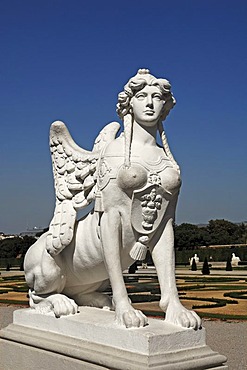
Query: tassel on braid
166	146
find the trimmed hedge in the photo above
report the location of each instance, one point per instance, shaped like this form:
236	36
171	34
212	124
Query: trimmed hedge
208	279
13	278
238	295
142	298
218	302
14	302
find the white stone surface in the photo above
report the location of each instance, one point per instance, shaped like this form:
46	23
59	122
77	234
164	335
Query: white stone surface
151	339
135	185
235	260
91	340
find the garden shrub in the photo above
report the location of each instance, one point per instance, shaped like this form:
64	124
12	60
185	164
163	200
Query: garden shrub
193	266
228	264
205	267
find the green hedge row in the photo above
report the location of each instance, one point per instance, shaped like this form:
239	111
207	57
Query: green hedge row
208	279
142	298
239	295
14	302
218	301
219	254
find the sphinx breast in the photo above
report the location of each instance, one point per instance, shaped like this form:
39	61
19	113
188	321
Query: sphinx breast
171	180
134	177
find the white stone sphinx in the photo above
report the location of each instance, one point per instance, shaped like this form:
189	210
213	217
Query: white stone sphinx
135	185
235	260
196	258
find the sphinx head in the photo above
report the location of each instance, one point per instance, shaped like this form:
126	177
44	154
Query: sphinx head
143	80
139	82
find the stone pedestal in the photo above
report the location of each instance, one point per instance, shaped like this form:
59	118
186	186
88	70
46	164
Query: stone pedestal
91	340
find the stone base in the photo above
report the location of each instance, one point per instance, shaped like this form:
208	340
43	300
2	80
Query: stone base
92	340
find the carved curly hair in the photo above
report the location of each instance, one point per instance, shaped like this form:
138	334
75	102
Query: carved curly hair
137	83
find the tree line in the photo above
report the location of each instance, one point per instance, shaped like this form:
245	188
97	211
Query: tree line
217	232
187	236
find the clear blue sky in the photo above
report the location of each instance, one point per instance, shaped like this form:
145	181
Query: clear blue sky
69	59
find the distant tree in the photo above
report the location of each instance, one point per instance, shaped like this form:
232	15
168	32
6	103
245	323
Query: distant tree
205	267
224	232
8	266
9	247
12	247
217	232
189	236
243	233
228	264
193	265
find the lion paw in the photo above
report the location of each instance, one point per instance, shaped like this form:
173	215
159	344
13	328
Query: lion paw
131	318
177	314
61	305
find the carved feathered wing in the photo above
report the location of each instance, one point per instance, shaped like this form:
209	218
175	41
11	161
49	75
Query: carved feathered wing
75	178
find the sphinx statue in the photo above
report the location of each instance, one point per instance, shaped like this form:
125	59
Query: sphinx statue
235	259
134	184
196	258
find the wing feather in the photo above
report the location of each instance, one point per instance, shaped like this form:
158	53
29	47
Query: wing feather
75	177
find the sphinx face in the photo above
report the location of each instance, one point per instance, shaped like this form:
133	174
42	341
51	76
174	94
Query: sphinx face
147	106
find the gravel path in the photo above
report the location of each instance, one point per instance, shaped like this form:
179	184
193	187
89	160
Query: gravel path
227	338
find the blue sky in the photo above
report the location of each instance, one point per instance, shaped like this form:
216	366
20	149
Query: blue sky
68	60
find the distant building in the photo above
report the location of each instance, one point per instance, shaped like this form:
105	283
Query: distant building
32	232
